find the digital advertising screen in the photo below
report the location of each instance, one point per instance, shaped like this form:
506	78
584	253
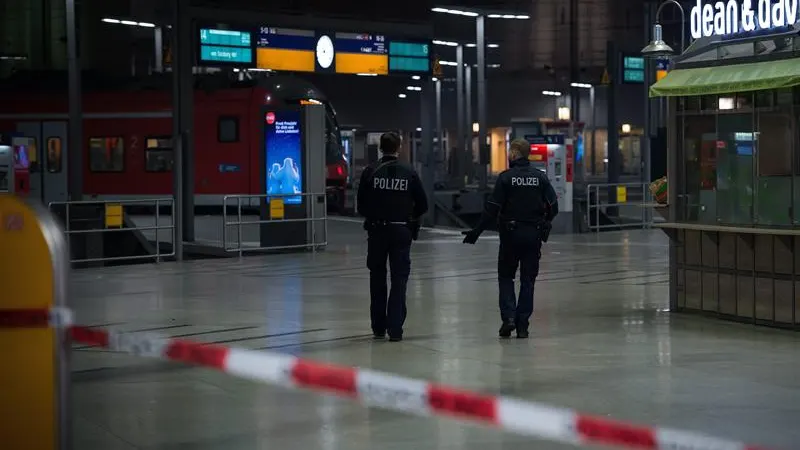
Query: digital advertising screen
361	53
228	47
285	49
283	150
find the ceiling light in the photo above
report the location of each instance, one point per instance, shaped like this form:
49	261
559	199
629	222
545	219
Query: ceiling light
456	12
367	74
413	88
581	85
128	22
415	77
448	63
447	43
402	95
108	20
552	93
147	24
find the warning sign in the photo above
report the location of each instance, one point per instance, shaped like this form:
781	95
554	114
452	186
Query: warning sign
276	208
606	77
437	67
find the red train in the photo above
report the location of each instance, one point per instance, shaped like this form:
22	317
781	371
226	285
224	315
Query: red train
127	149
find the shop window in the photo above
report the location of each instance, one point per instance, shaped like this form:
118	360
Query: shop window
159	155
735	164
107	154
54	155
697	199
228	129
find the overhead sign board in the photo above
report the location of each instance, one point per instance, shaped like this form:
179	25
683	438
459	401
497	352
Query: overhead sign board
299	50
410	57
225	47
633	69
724	18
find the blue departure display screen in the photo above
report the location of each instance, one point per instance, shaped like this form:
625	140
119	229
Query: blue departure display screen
228	38
409	57
213	53
282	155
226	46
360	43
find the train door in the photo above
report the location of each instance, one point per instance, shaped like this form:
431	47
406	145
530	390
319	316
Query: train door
49	172
30	137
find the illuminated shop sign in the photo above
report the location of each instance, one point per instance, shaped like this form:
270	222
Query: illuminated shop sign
724	18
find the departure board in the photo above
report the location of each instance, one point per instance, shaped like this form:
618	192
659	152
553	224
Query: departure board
361	53
285	49
226	47
409	57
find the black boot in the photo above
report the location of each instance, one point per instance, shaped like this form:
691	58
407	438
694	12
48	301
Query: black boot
522	334
506	329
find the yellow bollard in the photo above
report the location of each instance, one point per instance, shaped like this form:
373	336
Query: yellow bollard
34	373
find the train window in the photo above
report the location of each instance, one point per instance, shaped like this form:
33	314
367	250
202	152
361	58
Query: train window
107	154
158	154
54	155
228	129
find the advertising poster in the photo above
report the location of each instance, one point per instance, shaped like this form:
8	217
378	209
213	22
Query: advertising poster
283	148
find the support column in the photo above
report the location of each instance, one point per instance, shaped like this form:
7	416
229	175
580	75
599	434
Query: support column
460	146
613	127
158	55
574	69
437	85
647	138
426	149
467	156
75	179
483	150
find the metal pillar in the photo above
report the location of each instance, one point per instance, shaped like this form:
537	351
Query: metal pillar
648	80
75	183
613	171
574	70
593	107
182	122
426	150
158	38
467	156
460	147
483	152
437	85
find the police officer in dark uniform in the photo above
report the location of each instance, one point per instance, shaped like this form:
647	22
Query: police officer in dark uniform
392	200
525	204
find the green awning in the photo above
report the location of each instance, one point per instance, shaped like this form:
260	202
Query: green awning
729	79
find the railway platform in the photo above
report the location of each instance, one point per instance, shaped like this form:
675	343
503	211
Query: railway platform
602	342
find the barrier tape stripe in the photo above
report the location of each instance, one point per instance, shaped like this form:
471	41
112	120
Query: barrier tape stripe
377	389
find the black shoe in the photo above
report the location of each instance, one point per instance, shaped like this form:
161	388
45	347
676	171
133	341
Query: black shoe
395	338
522	334
378	336
506	329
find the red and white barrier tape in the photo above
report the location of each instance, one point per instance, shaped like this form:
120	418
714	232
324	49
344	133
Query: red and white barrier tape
376	389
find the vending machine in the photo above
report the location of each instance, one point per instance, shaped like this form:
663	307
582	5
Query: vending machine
549	154
6	166
293	177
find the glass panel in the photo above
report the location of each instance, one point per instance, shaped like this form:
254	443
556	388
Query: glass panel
158	154
54	160
107	154
228	129
735	163
699	142
774	139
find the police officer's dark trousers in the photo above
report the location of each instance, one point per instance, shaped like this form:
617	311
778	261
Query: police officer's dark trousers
519	248
392	242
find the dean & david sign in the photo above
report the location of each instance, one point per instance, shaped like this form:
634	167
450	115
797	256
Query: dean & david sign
722	18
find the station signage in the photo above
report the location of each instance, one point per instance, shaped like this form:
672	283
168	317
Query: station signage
725	18
225	47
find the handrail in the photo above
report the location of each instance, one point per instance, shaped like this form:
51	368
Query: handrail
596	189
156	202
313	211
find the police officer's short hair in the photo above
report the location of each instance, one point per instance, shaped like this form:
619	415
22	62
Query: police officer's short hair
519	148
390	142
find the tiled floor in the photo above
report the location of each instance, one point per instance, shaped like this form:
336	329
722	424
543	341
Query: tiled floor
602	342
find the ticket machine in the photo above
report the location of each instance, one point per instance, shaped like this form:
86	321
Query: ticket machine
6	167
548	153
293	177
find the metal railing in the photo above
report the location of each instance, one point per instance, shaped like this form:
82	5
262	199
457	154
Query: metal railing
157	203
307	199
632	202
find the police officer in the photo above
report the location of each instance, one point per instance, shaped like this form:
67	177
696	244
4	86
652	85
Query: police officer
525	204
391	199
